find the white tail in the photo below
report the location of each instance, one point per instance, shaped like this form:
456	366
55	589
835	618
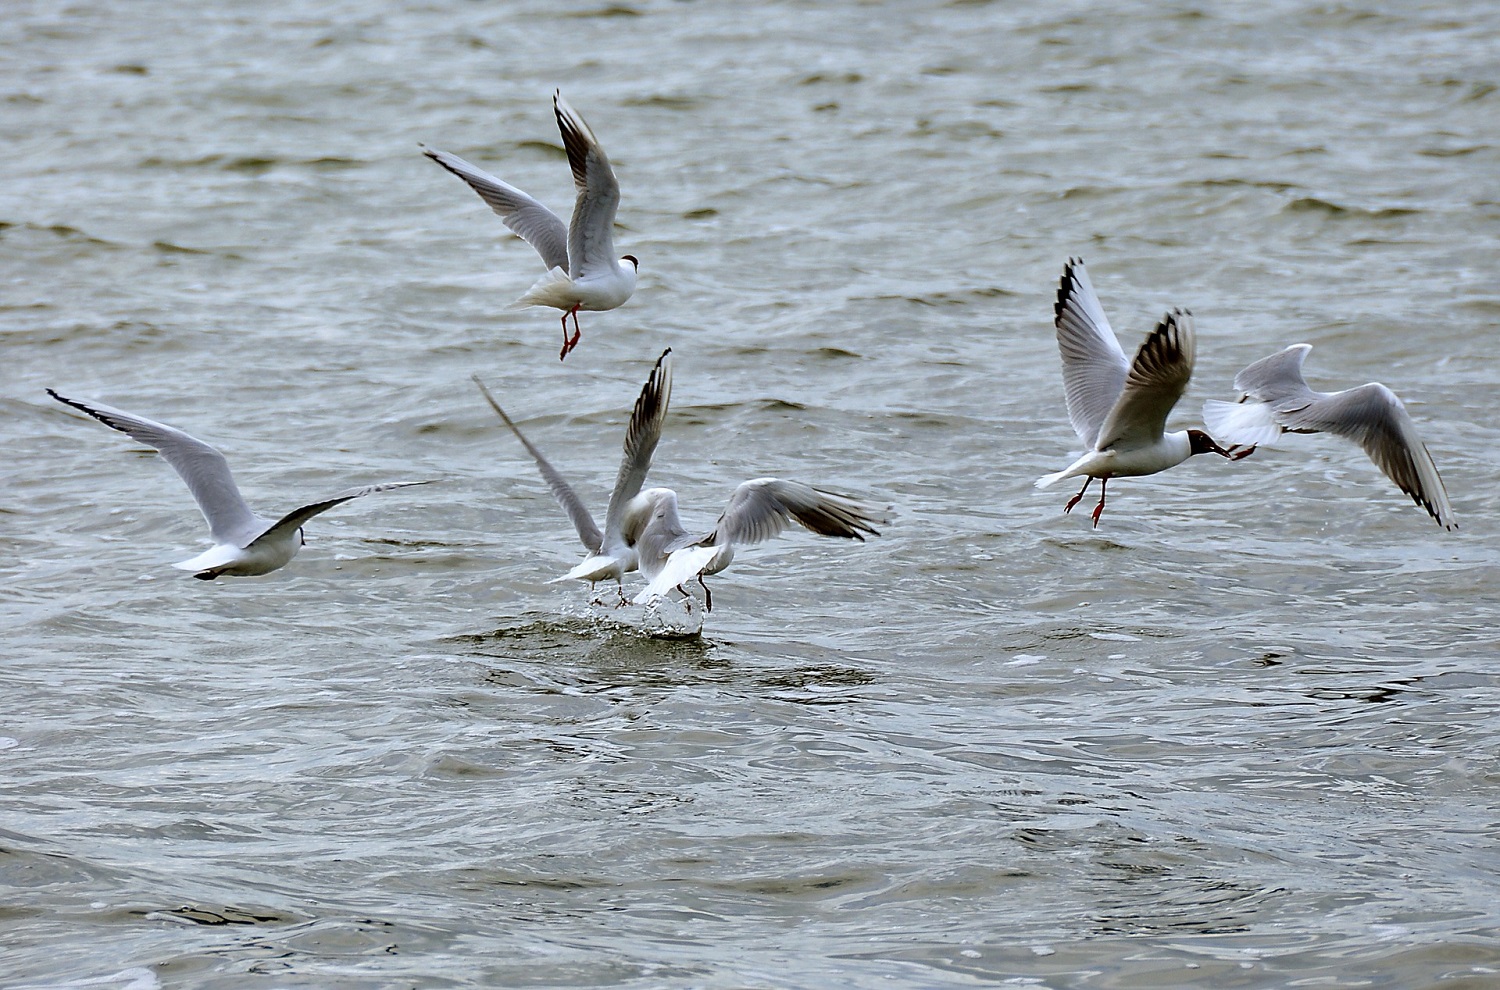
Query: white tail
682	565
553	289
596	568
1242	424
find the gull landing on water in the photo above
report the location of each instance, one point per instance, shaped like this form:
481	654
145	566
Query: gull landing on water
758	510
245	544
610	555
1275	400
582	270
1119	408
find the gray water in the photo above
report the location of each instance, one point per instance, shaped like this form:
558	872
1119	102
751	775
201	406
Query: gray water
1244	734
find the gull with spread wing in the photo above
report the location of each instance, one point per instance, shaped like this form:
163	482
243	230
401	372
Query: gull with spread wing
610	554
245	544
582	270
1119	408
1275	400
757	511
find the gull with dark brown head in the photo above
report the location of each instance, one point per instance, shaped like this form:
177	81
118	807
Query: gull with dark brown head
610	554
1275	400
1119	408
582	270
245	544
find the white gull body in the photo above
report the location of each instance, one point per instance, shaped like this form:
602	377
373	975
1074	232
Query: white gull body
245	544
583	272
1119	408
611	556
1275	400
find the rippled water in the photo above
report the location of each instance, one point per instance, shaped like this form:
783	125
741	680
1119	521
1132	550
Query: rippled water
1244	734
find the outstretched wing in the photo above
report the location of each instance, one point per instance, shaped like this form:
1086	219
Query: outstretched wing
591	237
588	531
203	468
1375	418
293	520
533	222
1158	377
641	437
1094	367
761	509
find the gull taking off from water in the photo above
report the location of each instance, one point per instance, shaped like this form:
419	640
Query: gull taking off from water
245	544
610	556
758	510
1119	408
1276	400
582	270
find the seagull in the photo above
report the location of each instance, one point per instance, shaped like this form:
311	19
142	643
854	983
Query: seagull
245	544
1275	400
759	509
582	270
610	556
1119	408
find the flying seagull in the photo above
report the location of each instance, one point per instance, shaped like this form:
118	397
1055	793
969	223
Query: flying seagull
1119	408
582	270
1275	400
245	544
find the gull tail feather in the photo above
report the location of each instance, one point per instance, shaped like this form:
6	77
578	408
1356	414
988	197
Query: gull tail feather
1048	480
214	556
596	568
553	289
1243	424
682	565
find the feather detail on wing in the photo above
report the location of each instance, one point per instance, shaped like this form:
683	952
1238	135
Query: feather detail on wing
591	232
641	437
1375	418
201	467
761	509
1158	377
1094	367
529	219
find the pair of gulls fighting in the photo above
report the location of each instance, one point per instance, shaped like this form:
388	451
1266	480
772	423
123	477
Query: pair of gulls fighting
1119	408
642	530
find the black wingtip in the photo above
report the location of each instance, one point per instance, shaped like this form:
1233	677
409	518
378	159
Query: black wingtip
1066	287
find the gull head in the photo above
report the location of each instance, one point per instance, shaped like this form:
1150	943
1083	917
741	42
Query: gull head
634	261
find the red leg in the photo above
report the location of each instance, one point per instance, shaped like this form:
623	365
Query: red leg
1103	487
568	345
1076	498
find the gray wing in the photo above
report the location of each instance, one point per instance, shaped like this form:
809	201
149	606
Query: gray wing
591	238
1375	418
1158	377
1278	379
203	468
293	520
641	437
532	222
761	509
1094	367
588	531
